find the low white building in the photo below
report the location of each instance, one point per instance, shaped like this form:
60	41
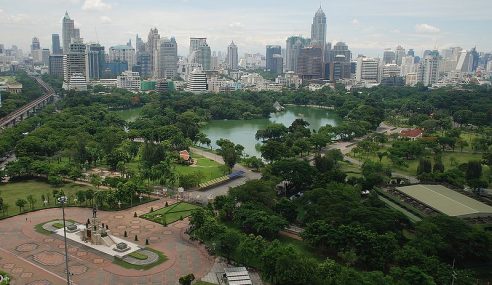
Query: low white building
197	81
77	82
110	83
289	80
129	80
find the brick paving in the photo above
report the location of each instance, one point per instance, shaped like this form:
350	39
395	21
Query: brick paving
34	258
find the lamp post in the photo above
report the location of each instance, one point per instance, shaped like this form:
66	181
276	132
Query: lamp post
119	204
63	200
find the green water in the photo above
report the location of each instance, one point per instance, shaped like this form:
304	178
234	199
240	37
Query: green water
129	115
243	131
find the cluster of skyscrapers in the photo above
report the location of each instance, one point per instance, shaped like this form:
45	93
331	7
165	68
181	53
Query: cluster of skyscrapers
154	63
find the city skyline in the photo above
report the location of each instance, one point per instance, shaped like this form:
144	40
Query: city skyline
368	28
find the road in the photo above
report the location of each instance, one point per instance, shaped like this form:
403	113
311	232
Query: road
203	196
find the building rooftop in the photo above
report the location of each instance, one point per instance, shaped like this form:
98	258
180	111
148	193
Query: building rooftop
412	133
447	201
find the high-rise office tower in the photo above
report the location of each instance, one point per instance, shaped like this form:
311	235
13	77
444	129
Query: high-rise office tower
95	61
200	53
167	58
69	33
278	64
56	65
270	51
294	45
389	56
399	54
152	41
55	44
310	63
318	29
475	58
74	61
411	52
45	57
232	56
144	64
195	43
465	62
35	45
341	48
139	44
123	53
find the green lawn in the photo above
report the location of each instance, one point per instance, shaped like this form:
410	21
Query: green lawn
202	283
449	159
171	214
205	168
12	191
120	262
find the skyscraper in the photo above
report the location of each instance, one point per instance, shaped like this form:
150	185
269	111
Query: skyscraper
342	48
278	64
197	81
270	51
232	56
151	47
56	65
95	61
69	32
35	45
55	44
399	54
167	58
123	53
309	63
367	69
195	43
389	56
318	29
294	45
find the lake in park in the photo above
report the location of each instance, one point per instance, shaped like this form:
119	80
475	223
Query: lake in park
243	131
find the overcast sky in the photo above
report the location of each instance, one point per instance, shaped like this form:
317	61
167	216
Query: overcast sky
367	26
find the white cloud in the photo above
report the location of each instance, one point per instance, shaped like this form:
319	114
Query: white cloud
426	29
355	22
97	5
1	11
105	19
236	25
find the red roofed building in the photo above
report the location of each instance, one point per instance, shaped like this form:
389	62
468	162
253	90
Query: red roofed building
185	157
411	134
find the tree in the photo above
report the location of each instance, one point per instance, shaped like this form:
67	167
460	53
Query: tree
461	144
228	242
31	200
96	180
89	195
187	279
473	170
230	152
21	203
425	166
271	132
298	172
274	150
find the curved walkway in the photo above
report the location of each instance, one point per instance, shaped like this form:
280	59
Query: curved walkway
30	256
202	196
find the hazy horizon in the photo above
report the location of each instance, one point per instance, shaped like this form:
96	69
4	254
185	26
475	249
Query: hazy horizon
367	28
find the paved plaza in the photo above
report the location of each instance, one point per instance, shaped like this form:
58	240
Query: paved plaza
34	258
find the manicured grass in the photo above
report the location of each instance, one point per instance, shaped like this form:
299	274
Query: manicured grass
162	258
449	159
58	225
12	191
138	255
171	213
205	168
